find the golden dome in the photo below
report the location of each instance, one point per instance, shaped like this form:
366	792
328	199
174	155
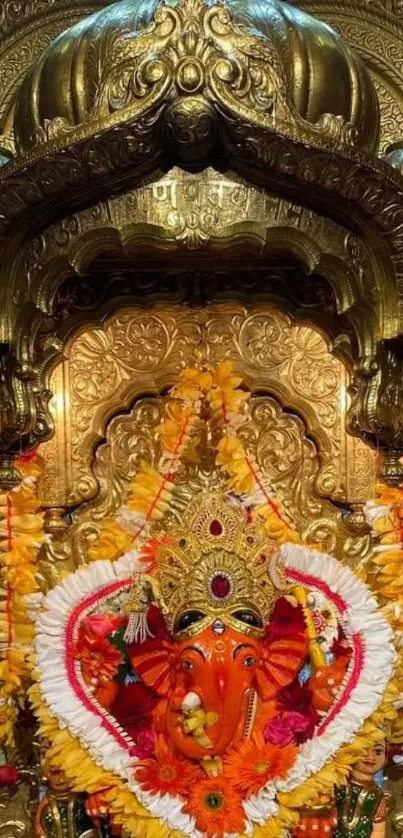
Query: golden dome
323	75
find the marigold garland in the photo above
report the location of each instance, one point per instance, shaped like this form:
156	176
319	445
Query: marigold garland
180	435
21	534
66	754
384	572
150	497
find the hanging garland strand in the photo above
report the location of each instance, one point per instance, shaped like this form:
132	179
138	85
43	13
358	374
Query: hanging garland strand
180	435
21	534
384	573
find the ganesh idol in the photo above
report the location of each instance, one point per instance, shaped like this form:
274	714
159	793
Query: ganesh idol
207	672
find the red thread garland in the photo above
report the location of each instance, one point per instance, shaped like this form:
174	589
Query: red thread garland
167	479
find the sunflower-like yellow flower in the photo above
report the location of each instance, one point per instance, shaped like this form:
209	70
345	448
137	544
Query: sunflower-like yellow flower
178	431
388	494
192	384
276	527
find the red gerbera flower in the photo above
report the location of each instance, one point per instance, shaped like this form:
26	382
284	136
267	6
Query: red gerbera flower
168	773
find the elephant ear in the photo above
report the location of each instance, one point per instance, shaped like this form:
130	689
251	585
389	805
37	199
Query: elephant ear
150	659
285	649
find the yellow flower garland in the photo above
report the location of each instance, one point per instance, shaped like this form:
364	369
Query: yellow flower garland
21	533
180	431
66	754
384	573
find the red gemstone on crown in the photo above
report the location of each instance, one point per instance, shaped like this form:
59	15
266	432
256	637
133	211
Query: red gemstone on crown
220	586
215	527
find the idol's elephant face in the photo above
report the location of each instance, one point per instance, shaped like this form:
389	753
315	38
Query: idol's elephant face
214	673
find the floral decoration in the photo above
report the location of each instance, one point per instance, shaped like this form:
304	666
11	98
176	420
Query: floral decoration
217	808
21	534
102	702
255	762
167	773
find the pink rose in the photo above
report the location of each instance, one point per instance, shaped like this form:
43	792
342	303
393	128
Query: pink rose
297	721
278	732
100	625
145	744
281	729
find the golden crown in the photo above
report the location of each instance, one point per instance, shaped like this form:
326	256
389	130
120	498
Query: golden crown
222	561
218	567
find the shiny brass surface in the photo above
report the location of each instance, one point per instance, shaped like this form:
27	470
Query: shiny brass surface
16	813
374	29
93	123
96	214
204	214
91	67
309	460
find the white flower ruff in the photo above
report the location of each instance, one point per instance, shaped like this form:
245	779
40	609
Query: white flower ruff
361	617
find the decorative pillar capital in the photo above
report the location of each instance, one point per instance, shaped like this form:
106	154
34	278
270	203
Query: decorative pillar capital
24	413
376	412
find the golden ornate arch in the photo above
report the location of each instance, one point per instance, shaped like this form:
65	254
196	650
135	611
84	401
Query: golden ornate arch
158	104
108	400
190	207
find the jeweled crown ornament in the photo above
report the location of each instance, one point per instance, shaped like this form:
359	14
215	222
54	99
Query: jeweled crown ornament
220	563
218	568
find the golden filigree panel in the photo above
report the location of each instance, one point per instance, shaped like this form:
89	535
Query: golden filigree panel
277	437
16	813
391	114
374	29
138	352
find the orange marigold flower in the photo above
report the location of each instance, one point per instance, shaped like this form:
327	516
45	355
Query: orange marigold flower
167	773
216	807
149	552
255	763
100	659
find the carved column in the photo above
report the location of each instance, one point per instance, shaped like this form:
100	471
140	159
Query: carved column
24	418
377	408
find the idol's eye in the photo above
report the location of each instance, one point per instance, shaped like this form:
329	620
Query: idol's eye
187	665
249	661
248	617
188	619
